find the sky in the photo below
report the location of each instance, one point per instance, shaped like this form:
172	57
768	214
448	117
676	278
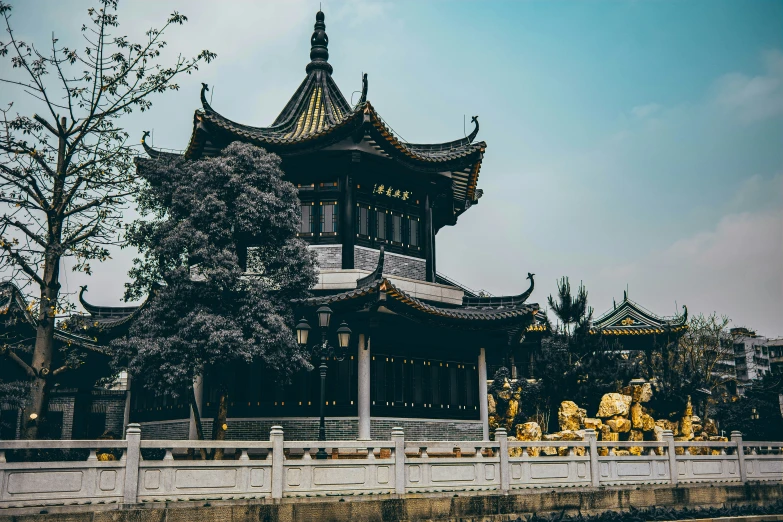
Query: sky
631	144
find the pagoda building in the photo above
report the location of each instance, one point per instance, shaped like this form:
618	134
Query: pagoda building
371	207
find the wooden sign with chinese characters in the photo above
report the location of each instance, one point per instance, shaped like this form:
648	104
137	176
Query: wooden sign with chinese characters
391	192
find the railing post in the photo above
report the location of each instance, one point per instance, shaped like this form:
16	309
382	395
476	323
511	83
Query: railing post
736	437
502	437
595	474
668	437
398	436
278	457
132	458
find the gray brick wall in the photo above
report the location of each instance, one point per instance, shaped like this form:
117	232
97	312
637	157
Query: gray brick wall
165	430
114	407
394	264
329	256
65	405
344	428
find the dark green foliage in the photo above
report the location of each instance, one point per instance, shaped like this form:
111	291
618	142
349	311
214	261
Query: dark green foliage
13	393
572	311
760	400
206	313
574	365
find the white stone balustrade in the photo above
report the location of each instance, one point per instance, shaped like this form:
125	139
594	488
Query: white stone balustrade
174	470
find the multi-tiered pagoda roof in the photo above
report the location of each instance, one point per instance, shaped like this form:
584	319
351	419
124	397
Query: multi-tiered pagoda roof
318	118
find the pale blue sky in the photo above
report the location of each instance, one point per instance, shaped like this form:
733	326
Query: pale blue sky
633	143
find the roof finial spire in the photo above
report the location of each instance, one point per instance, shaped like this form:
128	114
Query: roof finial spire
319	43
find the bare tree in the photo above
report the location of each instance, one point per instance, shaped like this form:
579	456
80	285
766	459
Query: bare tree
67	171
699	365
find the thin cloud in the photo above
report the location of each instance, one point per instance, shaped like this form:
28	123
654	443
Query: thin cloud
643	111
754	98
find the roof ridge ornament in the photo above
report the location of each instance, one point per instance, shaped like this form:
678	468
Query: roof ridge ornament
319	46
204	103
472	135
363	97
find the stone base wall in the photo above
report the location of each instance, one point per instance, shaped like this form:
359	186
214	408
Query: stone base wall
441	507
393	264
306	428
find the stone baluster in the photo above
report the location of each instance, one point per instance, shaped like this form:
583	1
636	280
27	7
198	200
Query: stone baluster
505	471
244	455
306	455
2	456
736	438
398	436
276	436
169	455
668	437
370	454
133	438
592	440
423	452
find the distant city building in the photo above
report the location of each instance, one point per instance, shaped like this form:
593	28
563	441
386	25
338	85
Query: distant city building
775	348
751	356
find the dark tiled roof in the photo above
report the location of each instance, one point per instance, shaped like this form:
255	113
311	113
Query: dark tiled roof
318	115
502	316
11	297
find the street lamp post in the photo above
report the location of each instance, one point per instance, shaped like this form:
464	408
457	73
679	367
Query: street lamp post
343	340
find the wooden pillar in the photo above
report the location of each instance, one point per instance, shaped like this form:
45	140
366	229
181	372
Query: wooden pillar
198	392
347	221
429	240
364	388
482	386
126	412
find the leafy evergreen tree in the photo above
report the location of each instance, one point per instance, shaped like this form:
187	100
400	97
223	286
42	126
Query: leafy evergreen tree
574	364
207	312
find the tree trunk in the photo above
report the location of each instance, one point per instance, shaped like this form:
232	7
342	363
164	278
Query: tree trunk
197	419
34	414
219	426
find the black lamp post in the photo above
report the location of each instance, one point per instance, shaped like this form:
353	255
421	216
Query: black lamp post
343	340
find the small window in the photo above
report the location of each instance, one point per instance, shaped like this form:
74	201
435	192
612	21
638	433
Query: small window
328	185
396	222
306	226
413	232
306	186
329	218
380	224
363	217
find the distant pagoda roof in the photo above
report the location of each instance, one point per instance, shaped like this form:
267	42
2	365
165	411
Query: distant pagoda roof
13	301
630	318
318	115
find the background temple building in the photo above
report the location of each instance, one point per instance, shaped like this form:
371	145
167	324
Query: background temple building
371	207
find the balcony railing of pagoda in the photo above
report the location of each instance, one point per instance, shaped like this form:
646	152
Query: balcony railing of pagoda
39	473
